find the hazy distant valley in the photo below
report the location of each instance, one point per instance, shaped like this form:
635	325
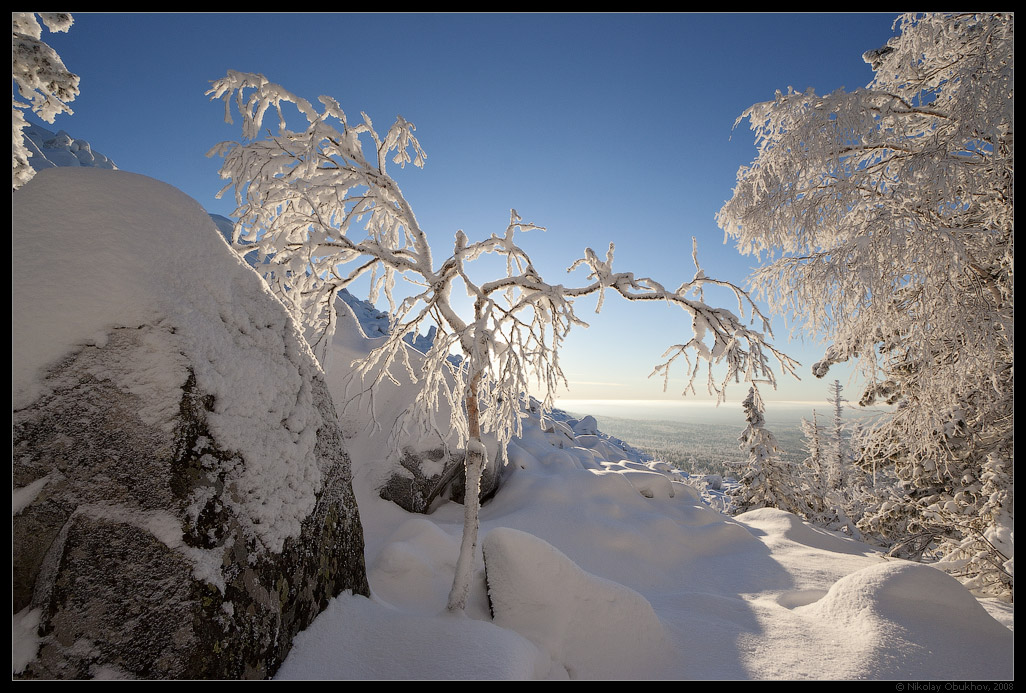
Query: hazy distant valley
698	437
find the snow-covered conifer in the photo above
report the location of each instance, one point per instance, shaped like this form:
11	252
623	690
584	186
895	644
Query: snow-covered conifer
40	77
813	440
813	474
833	490
765	481
888	212
838	458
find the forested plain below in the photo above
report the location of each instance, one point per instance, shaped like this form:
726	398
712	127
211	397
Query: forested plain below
700	437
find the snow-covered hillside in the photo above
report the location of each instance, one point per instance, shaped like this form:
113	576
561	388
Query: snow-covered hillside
598	566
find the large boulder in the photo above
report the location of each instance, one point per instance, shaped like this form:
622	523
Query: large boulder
183	504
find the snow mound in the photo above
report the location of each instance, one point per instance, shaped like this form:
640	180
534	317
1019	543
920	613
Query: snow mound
415	566
602	522
586	426
778	525
358	639
900	616
595	627
650	484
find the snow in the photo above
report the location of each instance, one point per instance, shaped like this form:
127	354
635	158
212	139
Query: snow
901	615
51	149
22	497
535	590
379	642
96	249
599	565
24	641
606	582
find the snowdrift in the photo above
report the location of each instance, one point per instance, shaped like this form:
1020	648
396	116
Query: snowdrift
597	566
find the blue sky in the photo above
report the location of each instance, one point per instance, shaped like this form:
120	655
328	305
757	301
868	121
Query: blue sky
601	127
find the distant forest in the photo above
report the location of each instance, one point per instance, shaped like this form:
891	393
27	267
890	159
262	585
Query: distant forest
698	448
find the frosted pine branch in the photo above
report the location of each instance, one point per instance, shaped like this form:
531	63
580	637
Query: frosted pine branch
41	78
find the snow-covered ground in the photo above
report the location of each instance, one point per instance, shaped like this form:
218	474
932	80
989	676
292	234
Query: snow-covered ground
606	582
599	568
602	567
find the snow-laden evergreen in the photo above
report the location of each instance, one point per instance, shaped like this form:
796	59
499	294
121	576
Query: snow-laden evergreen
40	77
766	481
887	213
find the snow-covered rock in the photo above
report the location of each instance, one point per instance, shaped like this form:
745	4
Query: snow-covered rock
50	150
586	426
422	478
650	484
408	465
183	499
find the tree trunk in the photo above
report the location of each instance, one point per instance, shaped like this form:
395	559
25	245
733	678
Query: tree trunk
475	461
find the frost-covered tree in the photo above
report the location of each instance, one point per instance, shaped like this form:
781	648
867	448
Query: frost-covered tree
814	470
984	557
887	214
839	459
834	491
319	209
767	481
812	433
41	78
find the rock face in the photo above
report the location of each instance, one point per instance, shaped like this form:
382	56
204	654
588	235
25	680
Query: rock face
133	575
417	491
173	517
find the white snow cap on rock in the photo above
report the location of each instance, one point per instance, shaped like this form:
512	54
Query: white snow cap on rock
95	249
586	426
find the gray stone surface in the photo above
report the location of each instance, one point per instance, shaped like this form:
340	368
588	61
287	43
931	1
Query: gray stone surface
133	550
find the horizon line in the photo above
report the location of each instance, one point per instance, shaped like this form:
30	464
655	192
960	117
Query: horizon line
685	401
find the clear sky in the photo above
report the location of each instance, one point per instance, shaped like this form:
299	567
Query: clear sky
601	127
